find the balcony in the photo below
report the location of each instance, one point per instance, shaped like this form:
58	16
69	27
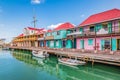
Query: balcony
49	37
74	33
40	38
88	33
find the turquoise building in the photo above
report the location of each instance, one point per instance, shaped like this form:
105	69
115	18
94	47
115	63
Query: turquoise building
57	38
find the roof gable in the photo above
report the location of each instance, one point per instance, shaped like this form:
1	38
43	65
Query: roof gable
64	26
30	28
101	17
21	35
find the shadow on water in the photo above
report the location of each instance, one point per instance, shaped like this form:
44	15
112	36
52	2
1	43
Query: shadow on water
63	72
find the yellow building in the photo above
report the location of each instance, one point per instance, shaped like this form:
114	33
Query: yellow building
29	38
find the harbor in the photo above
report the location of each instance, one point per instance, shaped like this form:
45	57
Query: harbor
59	40
20	65
92	57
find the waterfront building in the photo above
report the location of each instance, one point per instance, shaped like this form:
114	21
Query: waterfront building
31	37
99	31
56	38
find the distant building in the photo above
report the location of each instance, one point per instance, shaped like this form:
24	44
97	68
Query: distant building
2	42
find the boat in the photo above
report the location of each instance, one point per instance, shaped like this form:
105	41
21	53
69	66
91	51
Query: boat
40	54
71	62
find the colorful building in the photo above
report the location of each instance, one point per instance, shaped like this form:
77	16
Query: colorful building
99	31
31	37
57	37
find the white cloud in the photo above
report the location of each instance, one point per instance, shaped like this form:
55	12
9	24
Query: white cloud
82	15
54	26
36	1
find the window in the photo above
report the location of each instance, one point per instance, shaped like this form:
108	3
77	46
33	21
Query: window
58	33
57	43
105	26
68	31
90	41
107	44
92	29
32	31
81	29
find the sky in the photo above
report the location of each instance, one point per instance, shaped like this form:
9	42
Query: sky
15	15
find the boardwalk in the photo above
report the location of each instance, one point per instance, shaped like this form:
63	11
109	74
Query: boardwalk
113	59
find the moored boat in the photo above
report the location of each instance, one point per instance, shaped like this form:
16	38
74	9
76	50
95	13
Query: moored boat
40	54
71	62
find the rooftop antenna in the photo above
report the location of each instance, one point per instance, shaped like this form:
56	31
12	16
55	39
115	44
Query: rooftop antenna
34	18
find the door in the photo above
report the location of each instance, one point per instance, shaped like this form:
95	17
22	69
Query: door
81	44
118	44
74	46
64	43
114	46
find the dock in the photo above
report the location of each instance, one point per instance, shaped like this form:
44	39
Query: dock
112	59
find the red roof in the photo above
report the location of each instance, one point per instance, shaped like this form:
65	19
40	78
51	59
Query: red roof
41	32
21	35
49	30
35	29
64	26
102	17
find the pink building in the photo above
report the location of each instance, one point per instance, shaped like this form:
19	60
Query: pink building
100	31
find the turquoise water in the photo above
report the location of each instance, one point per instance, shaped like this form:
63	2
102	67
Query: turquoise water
19	65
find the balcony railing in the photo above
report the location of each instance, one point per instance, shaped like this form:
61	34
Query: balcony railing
49	37
88	33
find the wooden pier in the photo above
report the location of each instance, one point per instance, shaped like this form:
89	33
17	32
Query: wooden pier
112	59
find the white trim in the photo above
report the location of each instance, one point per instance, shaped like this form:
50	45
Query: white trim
74	33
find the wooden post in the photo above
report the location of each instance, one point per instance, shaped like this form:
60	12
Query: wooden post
95	37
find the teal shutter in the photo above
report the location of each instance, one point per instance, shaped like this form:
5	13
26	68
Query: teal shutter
81	29
98	27
55	44
81	44
109	27
114	46
102	44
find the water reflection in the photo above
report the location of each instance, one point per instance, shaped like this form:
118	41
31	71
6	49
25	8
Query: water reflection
51	66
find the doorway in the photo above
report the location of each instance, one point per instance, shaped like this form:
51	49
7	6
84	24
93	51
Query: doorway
118	44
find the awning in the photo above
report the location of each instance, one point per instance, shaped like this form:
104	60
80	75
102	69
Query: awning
75	33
